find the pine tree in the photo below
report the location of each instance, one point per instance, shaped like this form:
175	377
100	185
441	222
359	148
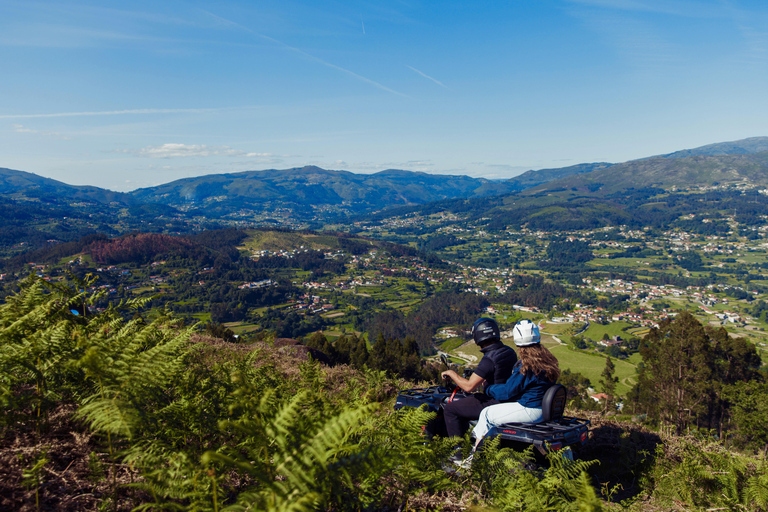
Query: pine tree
749	409
609	382
342	348
358	352
736	361
677	375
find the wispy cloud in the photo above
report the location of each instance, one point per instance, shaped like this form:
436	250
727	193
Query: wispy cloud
309	56
438	82
751	25
683	8
644	47
48	24
174	150
18	128
137	111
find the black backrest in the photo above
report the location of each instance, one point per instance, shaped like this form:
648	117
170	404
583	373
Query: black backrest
553	403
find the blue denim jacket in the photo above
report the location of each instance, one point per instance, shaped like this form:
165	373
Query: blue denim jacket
526	389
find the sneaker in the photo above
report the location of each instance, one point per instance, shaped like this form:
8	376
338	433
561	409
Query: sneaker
456	455
466	463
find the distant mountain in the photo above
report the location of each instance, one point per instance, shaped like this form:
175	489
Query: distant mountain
738	147
19	184
311	196
639	193
683	172
530	179
315	187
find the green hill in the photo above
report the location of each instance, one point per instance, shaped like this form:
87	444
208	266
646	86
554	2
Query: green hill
312	188
19	184
689	172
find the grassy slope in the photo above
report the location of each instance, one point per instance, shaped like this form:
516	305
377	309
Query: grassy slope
591	366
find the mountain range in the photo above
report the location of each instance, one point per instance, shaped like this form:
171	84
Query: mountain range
25	185
669	173
314	187
308	190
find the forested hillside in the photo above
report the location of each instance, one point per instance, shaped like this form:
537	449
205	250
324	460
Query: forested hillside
312	188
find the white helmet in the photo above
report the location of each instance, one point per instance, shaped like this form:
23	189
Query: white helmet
526	333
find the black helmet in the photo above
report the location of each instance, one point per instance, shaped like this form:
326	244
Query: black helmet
484	330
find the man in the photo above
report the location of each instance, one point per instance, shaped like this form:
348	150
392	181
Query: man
494	368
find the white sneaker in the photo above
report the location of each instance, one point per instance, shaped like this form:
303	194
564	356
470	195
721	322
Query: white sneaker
466	463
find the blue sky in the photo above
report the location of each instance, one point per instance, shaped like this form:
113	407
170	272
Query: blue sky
131	94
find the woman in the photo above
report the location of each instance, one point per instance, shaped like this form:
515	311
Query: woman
523	392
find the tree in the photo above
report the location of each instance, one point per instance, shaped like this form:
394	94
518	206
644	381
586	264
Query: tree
677	375
609	382
219	331
749	410
577	386
737	361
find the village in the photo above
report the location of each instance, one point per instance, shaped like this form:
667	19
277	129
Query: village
720	297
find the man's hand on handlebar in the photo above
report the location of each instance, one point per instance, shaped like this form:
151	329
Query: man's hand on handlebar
449	374
467	385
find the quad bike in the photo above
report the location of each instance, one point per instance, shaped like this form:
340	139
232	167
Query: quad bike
554	432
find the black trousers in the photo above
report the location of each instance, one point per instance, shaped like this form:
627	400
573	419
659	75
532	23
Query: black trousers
458	413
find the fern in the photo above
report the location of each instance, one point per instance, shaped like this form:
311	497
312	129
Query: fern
297	459
709	476
39	339
756	488
563	486
130	367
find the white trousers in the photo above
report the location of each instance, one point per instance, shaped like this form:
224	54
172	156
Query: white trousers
499	414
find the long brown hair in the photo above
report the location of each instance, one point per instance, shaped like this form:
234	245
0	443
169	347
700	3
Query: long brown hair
539	361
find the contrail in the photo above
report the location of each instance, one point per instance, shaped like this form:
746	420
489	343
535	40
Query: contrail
438	82
309	56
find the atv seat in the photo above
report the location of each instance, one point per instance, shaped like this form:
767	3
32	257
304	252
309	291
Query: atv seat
553	403
554	431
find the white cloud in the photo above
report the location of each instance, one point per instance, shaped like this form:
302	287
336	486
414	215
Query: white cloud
173	150
18	128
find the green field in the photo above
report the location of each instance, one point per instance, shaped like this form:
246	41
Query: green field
596	331
241	328
451	344
591	366
638	331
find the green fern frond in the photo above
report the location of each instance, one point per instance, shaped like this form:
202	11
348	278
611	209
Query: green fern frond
561	467
264	502
756	488
586	497
111	415
563	486
283	425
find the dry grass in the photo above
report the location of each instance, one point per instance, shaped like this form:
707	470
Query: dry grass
76	477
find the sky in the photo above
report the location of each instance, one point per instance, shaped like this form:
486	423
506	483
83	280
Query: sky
131	94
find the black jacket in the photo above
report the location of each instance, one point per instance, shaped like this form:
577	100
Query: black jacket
497	363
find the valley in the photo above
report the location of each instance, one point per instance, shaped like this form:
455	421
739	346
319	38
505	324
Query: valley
217	297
